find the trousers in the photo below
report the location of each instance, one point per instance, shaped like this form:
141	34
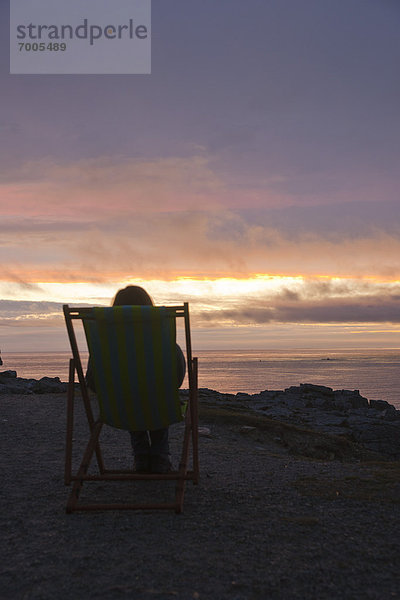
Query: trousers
153	443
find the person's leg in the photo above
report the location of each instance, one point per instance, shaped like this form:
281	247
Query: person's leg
159	451
159	441
141	450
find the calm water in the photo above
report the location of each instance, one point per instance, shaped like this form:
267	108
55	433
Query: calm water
376	373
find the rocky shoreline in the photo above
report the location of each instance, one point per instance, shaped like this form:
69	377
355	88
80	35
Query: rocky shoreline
10	383
375	424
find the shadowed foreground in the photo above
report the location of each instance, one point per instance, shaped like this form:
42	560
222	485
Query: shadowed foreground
263	523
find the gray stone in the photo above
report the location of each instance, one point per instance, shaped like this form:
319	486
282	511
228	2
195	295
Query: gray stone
381	405
318	403
279	412
293	403
8	374
317	390
12	384
381	437
375	424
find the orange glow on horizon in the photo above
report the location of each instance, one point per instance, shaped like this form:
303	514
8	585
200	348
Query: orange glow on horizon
51	276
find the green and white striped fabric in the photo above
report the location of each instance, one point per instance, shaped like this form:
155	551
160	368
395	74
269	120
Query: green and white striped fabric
133	357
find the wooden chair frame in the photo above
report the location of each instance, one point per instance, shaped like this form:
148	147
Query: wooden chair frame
190	436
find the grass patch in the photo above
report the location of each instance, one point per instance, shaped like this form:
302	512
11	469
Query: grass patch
380	482
299	441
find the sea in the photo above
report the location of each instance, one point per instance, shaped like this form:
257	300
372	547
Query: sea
375	373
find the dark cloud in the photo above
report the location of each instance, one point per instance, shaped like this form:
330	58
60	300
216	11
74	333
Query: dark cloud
17	313
372	309
17	308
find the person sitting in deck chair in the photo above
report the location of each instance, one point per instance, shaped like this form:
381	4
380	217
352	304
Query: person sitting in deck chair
150	448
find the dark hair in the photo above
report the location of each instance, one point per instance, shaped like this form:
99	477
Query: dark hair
132	294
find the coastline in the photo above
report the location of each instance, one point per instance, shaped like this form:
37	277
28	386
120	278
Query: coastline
265	521
374	371
372	424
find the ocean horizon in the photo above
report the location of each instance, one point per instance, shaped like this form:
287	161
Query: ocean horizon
374	372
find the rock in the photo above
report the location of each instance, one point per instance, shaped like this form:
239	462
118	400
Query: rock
10	383
8	374
316	389
375	424
204	431
278	412
380	437
49	385
381	405
247	429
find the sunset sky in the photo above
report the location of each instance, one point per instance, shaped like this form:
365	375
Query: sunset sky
254	173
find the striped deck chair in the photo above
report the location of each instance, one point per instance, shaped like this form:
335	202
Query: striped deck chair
133	357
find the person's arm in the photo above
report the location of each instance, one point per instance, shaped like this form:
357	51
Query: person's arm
181	363
89	377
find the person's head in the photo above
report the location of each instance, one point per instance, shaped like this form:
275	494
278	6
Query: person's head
132	294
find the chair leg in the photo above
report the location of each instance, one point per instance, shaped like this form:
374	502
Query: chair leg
99	458
183	466
70	423
195	423
88	454
191	434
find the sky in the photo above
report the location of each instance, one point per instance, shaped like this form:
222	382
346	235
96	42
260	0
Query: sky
254	173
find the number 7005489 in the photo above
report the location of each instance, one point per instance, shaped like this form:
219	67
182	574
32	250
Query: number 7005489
42	46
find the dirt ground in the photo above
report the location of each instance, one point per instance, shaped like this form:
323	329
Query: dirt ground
264	522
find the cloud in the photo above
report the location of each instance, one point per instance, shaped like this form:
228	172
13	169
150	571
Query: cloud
111	186
111	219
187	243
19	284
234	313
15	313
106	186
370	309
221	242
248	302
